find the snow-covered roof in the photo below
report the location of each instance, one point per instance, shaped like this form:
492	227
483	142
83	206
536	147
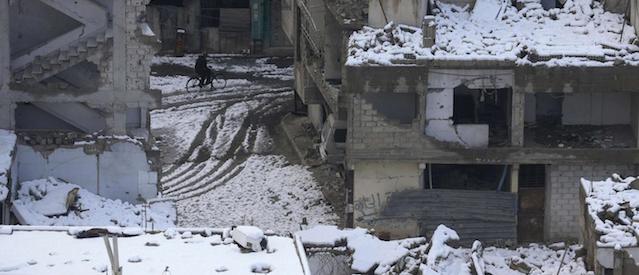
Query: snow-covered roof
7	145
613	206
48	252
579	34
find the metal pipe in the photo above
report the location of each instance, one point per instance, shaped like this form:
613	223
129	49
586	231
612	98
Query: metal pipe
503	178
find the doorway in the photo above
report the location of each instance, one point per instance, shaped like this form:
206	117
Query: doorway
532	196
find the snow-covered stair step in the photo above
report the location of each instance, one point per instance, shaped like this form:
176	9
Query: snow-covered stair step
60	60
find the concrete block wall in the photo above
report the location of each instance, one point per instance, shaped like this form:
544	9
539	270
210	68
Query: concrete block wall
139	53
562	196
371	131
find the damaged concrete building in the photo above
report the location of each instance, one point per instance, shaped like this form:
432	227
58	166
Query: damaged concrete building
481	115
74	88
219	26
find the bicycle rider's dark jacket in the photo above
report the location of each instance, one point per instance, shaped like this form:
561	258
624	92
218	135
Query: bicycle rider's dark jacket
200	67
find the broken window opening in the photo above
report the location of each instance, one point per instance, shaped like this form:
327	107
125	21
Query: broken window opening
484	106
467	177
340	135
578	120
401	107
134	118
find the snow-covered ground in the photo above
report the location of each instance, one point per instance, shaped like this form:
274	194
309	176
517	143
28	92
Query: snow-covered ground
437	257
44	202
220	160
7	145
37	253
579	34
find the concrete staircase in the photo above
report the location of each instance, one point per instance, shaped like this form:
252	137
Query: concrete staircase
68	49
488	216
57	61
79	115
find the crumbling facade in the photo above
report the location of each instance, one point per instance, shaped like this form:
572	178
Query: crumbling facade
443	120
74	87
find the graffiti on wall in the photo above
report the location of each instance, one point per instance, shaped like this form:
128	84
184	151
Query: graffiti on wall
368	207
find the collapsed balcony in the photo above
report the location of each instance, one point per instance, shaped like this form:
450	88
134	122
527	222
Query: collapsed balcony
580	120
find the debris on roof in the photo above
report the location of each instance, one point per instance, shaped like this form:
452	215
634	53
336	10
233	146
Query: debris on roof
580	33
613	205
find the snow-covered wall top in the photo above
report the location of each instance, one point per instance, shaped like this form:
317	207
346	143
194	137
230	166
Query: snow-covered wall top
7	146
579	34
613	205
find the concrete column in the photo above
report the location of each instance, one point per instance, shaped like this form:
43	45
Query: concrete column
517	118
514	178
119	46
117	125
7	108
634	118
332	50
5	50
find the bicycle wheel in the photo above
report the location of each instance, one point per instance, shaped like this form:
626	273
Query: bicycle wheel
218	82
192	84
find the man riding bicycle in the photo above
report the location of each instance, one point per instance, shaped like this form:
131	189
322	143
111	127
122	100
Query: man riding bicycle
202	69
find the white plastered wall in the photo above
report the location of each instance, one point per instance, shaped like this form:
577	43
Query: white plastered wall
439	104
122	172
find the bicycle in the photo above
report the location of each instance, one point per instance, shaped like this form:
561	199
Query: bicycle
216	81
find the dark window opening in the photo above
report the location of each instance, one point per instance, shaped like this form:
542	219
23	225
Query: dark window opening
532	175
210	10
484	106
177	3
401	107
579	120
467	177
548	109
340	135
133	118
29	117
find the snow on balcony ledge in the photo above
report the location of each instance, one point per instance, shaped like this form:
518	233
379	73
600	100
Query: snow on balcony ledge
579	34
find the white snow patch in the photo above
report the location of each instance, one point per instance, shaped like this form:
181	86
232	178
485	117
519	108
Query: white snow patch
613	205
32	253
579	34
368	250
43	202
268	192
7	146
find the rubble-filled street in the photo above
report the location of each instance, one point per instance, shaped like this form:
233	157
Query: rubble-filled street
224	159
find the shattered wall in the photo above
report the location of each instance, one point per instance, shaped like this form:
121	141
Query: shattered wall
91	75
407	12
112	169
